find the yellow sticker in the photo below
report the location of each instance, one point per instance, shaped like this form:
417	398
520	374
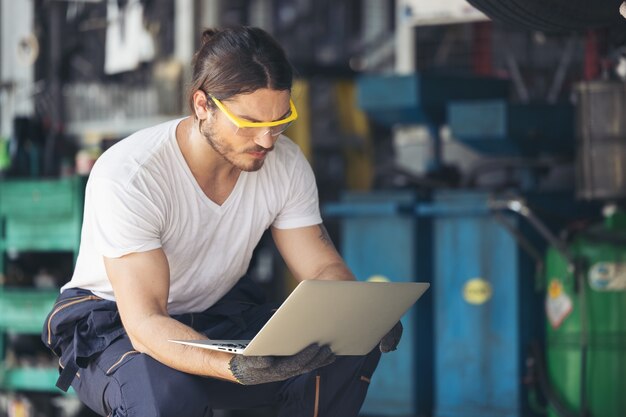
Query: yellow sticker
555	289
378	278
477	291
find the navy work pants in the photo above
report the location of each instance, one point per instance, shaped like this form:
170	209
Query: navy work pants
110	377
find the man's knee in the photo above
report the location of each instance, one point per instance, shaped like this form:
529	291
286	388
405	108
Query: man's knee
356	366
345	393
337	389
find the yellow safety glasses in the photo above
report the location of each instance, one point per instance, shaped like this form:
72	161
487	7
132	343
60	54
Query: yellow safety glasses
249	129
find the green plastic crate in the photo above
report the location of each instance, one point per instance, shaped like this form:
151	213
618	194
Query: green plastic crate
24	311
31	379
29	198
23	234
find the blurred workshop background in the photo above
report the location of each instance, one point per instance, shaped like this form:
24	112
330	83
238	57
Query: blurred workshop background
479	147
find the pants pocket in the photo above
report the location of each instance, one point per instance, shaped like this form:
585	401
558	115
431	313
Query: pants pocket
116	355
58	311
125	357
97	386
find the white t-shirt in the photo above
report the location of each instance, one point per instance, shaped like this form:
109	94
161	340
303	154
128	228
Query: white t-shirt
141	195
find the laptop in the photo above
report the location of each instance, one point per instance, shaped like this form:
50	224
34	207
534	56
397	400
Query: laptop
349	316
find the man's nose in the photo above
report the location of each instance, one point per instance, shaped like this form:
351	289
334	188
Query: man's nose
265	140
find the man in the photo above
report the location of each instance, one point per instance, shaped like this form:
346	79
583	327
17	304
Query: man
172	215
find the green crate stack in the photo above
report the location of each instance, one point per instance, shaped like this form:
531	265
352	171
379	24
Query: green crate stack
37	216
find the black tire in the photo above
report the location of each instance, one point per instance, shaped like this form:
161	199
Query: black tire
557	16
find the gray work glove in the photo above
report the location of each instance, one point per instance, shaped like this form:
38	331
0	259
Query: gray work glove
390	341
251	370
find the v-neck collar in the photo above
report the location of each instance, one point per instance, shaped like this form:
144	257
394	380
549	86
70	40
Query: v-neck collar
187	170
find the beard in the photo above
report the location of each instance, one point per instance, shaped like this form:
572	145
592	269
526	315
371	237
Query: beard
236	158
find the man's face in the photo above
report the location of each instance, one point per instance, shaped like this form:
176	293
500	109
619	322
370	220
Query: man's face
246	153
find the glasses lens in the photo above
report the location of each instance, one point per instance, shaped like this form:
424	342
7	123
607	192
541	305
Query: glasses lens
250	131
278	130
260	131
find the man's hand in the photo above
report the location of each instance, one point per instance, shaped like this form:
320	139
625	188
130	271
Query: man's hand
251	370
390	341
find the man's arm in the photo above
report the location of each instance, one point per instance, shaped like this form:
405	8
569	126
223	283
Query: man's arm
141	285
310	254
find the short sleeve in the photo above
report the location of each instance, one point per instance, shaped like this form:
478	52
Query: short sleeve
301	208
123	219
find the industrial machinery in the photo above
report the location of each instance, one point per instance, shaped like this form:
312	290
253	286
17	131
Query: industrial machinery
422	98
485	261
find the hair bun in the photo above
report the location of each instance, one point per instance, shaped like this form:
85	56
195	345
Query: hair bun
207	35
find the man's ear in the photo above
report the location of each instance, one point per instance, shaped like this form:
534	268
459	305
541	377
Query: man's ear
200	105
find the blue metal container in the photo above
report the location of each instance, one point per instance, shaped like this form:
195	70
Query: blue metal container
486	308
421	97
501	128
383	239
